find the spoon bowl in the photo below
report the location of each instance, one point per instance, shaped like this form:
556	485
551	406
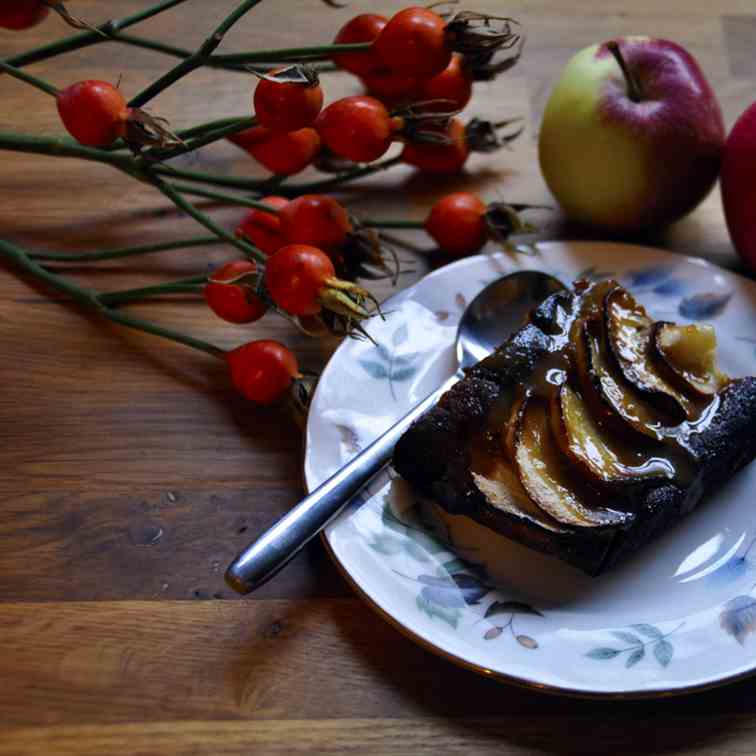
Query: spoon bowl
498	311
495	313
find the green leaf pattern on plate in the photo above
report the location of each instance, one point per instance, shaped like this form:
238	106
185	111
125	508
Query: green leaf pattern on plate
635	647
386	364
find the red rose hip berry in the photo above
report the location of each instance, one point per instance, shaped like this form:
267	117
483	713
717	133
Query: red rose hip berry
263	228
281	152
357	128
414	43
22	14
363	28
440	158
231	299
457	222
94	113
296	275
262	371
287	105
315	219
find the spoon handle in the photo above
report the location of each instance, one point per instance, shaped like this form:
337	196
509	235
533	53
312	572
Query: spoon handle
263	558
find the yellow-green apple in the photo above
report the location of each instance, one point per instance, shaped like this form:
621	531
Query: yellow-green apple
738	182
632	135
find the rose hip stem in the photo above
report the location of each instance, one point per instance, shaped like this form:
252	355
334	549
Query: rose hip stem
339	178
391	223
191	285
291	54
77	41
35	81
91	300
244	246
206	49
227	198
114	254
209	136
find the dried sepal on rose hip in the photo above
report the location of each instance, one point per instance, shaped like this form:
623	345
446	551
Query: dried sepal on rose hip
327	161
300	396
360	128
419	42
302	281
461	223
146	130
288	98
321	221
96	114
366	254
263	371
72	21
480	36
446	151
233	292
486	65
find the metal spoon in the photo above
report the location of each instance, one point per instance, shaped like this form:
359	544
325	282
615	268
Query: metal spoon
498	310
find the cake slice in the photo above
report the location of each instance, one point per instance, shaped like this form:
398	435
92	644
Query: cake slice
592	429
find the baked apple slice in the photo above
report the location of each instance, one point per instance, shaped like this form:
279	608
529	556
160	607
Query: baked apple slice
629	333
690	353
600	456
544	474
608	394
503	490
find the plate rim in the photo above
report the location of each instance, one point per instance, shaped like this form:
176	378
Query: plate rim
437	650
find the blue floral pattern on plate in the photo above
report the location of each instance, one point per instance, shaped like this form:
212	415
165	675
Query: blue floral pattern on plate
466	591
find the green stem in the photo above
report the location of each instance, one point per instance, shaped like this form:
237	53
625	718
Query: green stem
204	128
208	137
89	299
175	52
275	182
182	286
248	249
114	254
197	60
387	223
319	52
230	182
85	39
222	197
340	178
150	44
41	84
62	148
130	321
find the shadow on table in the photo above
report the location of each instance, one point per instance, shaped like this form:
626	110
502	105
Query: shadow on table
488	710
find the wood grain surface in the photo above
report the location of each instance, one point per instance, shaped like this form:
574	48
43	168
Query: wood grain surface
130	473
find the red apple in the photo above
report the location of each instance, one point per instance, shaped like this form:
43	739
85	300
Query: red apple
738	182
632	135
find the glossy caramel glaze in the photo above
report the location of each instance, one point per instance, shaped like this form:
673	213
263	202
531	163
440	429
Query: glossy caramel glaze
584	421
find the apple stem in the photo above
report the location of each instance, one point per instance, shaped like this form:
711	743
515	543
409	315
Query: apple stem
633	88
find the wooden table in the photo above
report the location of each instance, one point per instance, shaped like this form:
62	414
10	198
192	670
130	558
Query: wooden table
131	473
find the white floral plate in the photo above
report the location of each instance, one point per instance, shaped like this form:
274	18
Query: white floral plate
679	616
